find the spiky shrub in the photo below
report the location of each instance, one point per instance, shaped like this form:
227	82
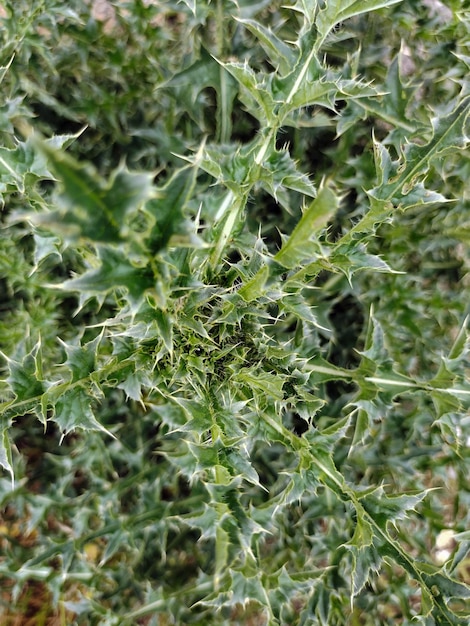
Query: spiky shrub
235	306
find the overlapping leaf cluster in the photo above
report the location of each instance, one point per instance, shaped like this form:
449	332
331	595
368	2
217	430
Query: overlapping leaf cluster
246	387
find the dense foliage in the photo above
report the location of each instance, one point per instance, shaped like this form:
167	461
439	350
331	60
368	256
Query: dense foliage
234	274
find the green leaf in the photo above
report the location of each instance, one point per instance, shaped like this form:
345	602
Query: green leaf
365	562
335	11
228	421
449	388
403	178
386	509
73	410
248	588
442	584
323	371
45	245
376	350
315	218
115	272
132	386
401	183
254	287
22	166
165	326
351	258
223	322
308	8
255	91
205	522
461	346
361	426
297	485
391	107
283	585
392	382
6	460
192	5
81	359
280	54
250	8
323	92
167	208
278	173
260	381
239	465
206	72
25	375
446	402
91	208
4	69
294	303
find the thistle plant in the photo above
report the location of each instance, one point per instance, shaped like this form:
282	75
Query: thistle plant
234	332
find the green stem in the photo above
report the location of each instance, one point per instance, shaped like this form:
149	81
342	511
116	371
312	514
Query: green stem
259	158
219	32
224	125
300	77
237	206
238	203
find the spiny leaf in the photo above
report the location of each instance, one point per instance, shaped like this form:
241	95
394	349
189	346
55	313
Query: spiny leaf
280	54
73	410
389	548
255	88
449	134
205	521
6	460
92	209
207	72
246	589
132	386
322	370
224	347
401	182
391	107
314	219
283	585
376	349
365	558
294	303
308	8
46	245
5	68
25	375
192	5
351	258
261	381
325	92
239	465
115	271
278	173
362	424
441	584
335	11
461	346
167	208
254	287
23	165
386	508
81	359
